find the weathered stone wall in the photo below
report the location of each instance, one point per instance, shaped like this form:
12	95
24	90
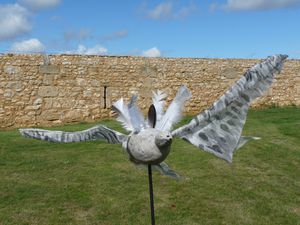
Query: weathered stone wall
47	90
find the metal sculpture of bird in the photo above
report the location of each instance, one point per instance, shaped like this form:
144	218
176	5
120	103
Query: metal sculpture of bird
216	130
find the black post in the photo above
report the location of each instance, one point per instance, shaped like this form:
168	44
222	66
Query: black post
151	195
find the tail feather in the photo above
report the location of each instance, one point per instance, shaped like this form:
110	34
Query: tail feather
136	118
123	114
173	113
159	104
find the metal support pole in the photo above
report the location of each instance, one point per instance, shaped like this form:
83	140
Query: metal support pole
151	195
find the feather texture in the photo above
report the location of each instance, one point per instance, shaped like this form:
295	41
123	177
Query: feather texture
218	129
123	114
136	118
158	101
174	111
98	132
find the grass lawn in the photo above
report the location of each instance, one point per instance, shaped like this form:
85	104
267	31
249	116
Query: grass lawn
94	183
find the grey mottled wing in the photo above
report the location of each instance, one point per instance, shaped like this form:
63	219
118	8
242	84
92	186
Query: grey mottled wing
164	169
244	139
218	129
98	132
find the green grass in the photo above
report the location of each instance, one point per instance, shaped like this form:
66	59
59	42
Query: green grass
94	183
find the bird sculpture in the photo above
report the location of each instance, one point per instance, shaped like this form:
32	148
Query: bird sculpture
216	130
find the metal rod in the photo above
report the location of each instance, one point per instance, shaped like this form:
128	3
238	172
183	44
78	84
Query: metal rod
151	194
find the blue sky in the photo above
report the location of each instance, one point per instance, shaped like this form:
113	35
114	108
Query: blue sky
172	28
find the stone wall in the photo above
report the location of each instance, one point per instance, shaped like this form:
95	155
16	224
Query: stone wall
53	89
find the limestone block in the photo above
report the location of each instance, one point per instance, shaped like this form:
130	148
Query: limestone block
49	69
20	104
56	104
93	70
38	101
80	104
95	106
48	79
48	91
8	93
87	93
16	85
75	91
48	103
68	104
86	113
95	83
50	115
12	69
26	119
229	73
298	89
81	82
82	70
74	115
32	107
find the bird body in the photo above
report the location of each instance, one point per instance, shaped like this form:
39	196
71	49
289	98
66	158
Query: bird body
150	146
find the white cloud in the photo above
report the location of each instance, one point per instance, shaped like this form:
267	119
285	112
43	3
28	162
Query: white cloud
79	35
243	5
14	18
166	10
37	5
13	21
116	35
28	46
83	50
152	52
162	10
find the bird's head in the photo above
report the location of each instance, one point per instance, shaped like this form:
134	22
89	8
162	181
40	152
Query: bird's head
163	139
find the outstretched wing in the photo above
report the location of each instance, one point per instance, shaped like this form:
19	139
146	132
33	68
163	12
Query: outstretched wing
218	129
98	132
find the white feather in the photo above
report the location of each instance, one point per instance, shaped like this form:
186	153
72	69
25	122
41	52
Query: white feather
173	113
158	101
136	118
123	114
